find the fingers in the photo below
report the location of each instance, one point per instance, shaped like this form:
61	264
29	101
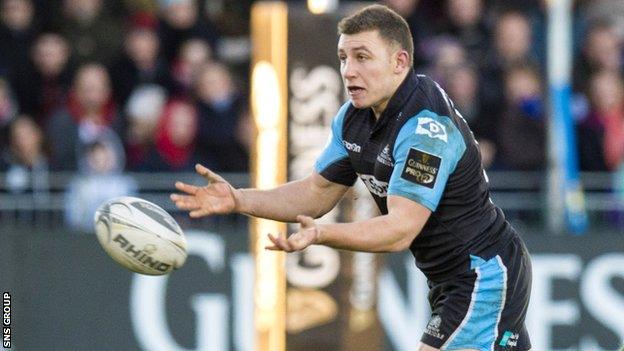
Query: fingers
200	213
188	203
280	243
291	244
184	202
273	247
208	174
187	188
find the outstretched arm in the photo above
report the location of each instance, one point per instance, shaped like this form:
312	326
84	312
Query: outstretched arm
394	231
312	196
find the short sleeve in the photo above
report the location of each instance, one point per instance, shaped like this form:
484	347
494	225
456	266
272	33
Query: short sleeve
426	151
333	163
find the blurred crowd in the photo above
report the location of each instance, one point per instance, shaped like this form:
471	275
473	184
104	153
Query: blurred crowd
100	87
94	86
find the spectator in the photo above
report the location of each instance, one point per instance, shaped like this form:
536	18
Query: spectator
522	130
194	53
463	88
512	46
535	13
467	25
25	161
180	21
602	50
43	87
601	134
446	55
88	109
513	38
93	34
101	162
221	120
610	89
140	63
175	139
17	33
143	110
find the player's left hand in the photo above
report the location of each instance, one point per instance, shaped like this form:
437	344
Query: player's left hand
307	235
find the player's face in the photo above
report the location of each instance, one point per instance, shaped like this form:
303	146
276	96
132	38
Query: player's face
367	66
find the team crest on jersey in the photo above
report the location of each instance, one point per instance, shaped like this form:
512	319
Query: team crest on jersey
433	327
384	157
421	168
431	128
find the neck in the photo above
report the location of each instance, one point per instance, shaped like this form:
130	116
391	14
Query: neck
381	107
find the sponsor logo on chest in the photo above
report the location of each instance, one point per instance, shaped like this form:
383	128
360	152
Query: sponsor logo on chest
353	147
374	185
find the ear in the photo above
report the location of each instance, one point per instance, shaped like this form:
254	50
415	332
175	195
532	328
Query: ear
402	61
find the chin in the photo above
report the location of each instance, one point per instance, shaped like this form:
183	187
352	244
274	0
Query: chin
359	104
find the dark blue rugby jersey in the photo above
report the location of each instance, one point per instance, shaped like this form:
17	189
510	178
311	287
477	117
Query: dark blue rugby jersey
422	149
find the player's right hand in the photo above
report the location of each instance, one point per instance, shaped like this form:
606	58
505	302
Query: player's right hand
217	197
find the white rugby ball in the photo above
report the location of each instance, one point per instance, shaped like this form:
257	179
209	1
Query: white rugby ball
140	235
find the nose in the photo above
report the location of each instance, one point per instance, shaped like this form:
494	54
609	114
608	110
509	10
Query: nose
348	69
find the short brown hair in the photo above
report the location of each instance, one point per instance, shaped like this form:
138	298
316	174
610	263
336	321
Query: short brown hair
391	26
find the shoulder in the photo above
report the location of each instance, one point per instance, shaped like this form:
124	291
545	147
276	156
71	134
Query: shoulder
432	96
431	130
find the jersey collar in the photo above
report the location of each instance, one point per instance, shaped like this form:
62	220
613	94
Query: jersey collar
397	101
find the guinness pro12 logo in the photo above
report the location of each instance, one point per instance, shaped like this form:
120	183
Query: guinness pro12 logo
421	168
